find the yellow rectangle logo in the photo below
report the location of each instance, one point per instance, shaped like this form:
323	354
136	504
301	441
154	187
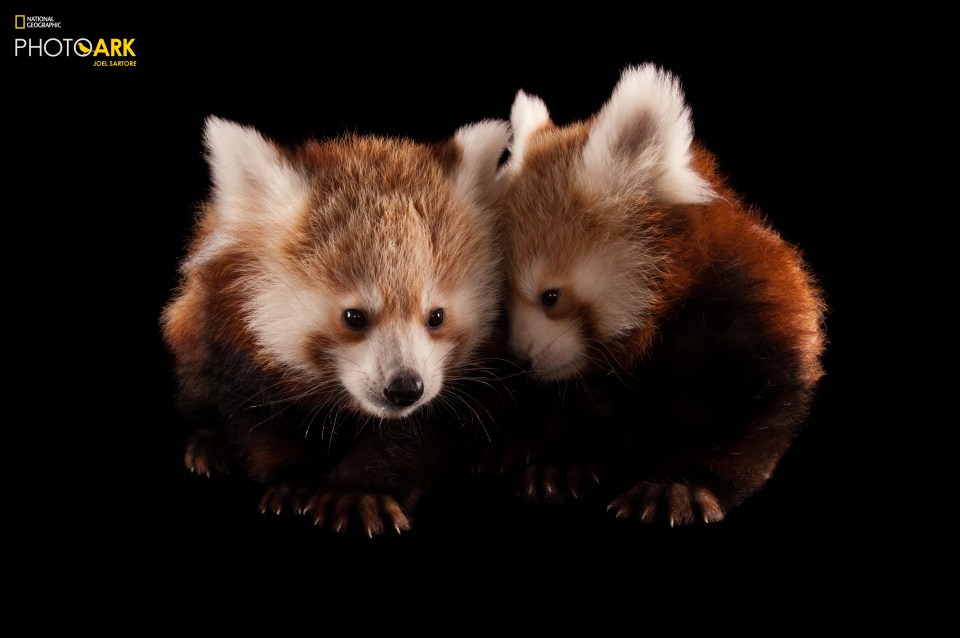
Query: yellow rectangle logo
20	22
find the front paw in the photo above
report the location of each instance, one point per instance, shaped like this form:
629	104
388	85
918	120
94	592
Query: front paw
277	497
554	484
673	503
374	512
339	510
207	454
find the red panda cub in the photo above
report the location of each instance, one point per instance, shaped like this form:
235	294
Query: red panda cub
672	337
335	304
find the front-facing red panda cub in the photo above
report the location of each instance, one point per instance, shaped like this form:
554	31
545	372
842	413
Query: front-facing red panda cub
335	305
672	336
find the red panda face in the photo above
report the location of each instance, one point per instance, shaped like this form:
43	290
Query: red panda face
572	297
579	266
362	274
550	293
547	323
580	204
364	300
409	284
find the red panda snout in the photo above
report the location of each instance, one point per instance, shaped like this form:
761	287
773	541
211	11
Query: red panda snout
551	348
394	369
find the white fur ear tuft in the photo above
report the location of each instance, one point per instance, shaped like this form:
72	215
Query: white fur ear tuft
252	182
527	115
481	145
640	141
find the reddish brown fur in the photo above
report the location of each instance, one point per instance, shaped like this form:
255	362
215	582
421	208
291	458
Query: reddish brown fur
694	238
706	452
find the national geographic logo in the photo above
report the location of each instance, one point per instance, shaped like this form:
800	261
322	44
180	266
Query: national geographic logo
104	52
35	22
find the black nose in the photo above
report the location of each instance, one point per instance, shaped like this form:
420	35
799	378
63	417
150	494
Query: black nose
404	389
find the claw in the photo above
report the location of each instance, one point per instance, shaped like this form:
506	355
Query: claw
647	512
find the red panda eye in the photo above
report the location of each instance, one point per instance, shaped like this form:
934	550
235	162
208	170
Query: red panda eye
549	298
354	318
436	318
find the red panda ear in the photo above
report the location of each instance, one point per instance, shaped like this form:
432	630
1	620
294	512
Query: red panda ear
527	116
252	182
480	146
639	142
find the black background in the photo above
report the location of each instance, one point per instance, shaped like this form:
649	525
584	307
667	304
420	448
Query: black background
107	168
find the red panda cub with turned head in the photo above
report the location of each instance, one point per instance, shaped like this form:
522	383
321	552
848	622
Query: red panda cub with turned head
335	305
672	337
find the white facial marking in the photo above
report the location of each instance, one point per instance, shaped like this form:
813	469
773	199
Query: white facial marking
616	281
554	347
367	367
283	312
